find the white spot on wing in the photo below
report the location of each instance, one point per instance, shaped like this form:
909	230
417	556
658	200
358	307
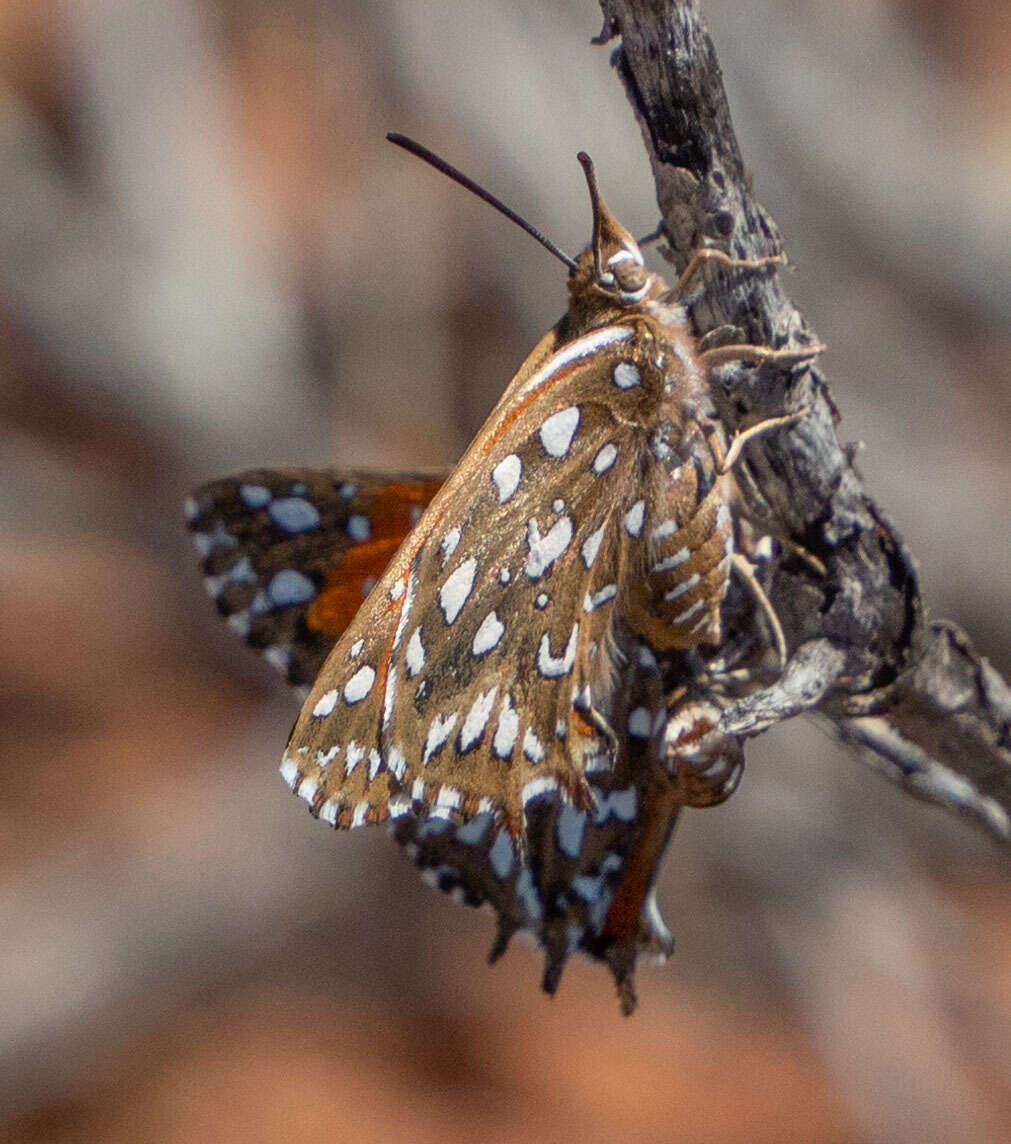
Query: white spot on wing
625	375
447	800
608	592
397	763
438	733
398	806
307	790
558	430
532	747
359	528
359	685
507	730
545	550
553	667
289	771
390	695
543	784
455	592
405	609
591	546
634	518
375	764
488	634
355	754
576	351
415	653
240	622
326	703
477	719
506	476
605	458
449	543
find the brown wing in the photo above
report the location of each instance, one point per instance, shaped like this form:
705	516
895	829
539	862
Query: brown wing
289	555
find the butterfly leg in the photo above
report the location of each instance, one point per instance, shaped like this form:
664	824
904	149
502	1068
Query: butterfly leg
725	462
707	254
743	567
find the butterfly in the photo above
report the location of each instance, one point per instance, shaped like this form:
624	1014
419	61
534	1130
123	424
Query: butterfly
500	662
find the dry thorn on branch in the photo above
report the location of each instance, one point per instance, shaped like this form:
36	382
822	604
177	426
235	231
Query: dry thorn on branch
934	714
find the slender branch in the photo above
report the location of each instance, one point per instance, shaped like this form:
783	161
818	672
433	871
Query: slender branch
936	716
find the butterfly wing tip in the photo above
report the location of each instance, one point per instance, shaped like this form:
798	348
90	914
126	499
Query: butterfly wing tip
506	928
554	965
627	998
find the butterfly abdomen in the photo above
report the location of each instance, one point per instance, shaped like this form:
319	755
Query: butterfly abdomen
676	592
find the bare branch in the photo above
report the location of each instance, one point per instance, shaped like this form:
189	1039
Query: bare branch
936	716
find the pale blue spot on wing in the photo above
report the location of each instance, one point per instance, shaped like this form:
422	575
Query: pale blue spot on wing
500	856
527	894
290	587
255	496
359	528
432	825
472	832
294	514
569	829
242	572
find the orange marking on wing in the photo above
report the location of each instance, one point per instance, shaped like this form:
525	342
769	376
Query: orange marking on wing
389	516
389	512
337	604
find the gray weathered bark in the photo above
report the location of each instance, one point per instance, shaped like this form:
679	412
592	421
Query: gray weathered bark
933	715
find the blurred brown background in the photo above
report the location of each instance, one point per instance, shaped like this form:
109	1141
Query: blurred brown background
210	259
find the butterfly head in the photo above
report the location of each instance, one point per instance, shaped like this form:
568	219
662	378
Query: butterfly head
610	273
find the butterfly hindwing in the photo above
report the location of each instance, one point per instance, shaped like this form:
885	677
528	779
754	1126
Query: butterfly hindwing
289	555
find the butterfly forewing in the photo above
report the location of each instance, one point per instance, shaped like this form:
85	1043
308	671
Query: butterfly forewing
289	555
468	667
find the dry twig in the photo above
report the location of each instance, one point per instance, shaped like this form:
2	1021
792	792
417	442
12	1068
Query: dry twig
934	716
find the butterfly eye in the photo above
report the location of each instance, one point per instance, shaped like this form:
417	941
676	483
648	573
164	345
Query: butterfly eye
628	275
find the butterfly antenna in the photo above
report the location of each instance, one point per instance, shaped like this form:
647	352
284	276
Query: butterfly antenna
591	182
459	177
